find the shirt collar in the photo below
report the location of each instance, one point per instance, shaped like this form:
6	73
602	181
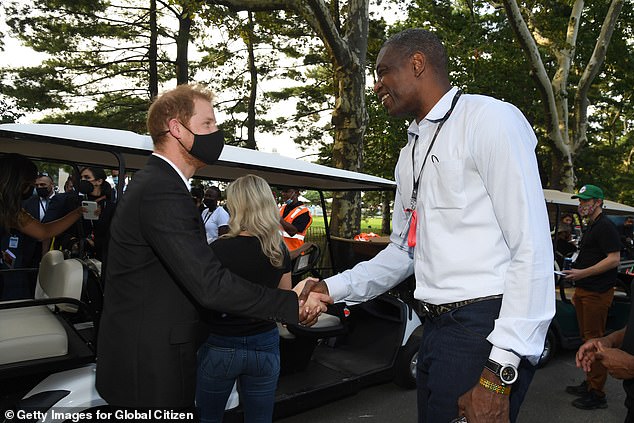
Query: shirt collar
435	114
441	107
185	180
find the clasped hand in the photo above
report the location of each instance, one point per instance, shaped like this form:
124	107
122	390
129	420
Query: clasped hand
313	300
619	364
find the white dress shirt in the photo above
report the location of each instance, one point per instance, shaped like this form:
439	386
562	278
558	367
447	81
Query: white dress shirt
482	223
43	205
213	220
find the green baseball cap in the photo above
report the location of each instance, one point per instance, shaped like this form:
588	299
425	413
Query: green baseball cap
589	191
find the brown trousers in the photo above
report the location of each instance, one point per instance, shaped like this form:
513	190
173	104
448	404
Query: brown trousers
592	315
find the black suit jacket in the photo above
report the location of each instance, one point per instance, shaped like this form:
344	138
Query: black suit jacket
160	271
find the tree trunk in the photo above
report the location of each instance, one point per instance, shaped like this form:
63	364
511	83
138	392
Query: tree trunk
349	119
557	138
580	125
253	91
182	47
153	53
386	216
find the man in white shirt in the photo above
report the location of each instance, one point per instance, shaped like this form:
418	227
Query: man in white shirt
215	217
470	221
45	191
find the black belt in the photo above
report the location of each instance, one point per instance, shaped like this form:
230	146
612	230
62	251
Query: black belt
435	310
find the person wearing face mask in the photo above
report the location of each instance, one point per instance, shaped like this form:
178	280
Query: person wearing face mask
295	219
215	219
161	271
91	236
37	205
17	179
44	190
594	273
117	191
96	231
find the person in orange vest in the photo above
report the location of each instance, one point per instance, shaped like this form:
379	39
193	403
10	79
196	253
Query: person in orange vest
295	219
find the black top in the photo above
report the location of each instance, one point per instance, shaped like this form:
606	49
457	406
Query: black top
600	239
301	221
628	347
243	256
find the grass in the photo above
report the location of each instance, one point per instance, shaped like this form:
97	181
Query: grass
372	224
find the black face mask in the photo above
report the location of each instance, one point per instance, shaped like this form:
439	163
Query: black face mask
42	192
85	187
207	147
210	204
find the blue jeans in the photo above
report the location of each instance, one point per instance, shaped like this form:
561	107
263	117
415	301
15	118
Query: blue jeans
254	361
452	355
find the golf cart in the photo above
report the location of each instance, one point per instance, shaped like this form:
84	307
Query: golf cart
563	331
352	346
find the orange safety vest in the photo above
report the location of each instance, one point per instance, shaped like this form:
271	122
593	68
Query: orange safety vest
297	240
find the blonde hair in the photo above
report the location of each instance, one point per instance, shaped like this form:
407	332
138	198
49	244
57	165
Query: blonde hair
177	103
252	208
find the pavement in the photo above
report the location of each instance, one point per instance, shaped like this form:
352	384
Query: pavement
546	401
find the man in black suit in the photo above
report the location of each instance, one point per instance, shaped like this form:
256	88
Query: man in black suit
161	270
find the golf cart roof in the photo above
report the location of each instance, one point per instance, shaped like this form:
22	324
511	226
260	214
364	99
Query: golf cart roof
564	199
96	146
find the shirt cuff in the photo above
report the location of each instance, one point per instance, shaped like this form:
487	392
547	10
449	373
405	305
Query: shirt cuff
504	357
337	288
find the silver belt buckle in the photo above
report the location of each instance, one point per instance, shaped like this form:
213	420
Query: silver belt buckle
427	309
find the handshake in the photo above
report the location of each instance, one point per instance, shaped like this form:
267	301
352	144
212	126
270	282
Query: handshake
313	300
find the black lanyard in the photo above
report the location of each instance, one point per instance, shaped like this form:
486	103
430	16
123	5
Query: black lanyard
42	207
209	213
441	122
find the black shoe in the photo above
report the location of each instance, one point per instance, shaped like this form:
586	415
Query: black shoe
580	390
591	401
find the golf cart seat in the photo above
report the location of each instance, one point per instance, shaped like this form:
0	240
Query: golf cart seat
33	332
307	259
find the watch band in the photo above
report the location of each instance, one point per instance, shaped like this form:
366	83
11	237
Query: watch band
498	389
493	367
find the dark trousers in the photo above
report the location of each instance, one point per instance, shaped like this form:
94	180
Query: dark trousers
452	355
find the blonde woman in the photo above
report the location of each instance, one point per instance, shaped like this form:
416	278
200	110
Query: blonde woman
242	348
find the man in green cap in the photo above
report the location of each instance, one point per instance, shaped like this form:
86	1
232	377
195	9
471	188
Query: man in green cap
594	273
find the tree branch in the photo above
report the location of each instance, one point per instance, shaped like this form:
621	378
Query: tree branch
529	46
592	69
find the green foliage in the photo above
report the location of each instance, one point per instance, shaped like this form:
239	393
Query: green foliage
112	111
97	54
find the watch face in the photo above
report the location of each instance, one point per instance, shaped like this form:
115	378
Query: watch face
508	374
